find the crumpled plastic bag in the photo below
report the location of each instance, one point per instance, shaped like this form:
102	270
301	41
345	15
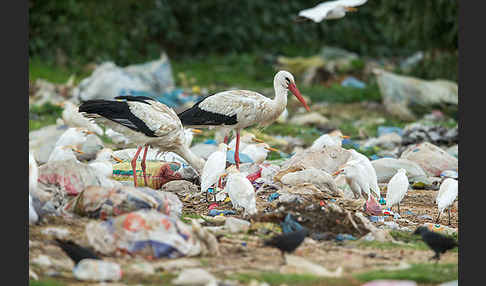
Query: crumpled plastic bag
108	80
408	97
322	180
70	177
101	202
328	160
158	173
386	168
431	158
149	233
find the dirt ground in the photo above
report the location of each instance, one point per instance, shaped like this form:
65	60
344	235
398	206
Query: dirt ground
245	252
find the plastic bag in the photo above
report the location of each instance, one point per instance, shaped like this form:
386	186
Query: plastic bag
145	232
407	97
431	158
97	270
386	168
100	202
158	173
108	80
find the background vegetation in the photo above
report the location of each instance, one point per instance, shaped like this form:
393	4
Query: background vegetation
75	32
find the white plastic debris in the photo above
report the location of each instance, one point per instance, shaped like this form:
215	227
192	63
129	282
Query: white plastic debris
431	158
299	265
400	93
195	276
56	231
322	180
236	225
386	168
33	217
97	270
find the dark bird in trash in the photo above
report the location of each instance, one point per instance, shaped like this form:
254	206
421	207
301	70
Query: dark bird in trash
74	251
287	242
439	243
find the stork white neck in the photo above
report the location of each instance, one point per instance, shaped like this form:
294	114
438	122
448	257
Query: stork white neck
281	93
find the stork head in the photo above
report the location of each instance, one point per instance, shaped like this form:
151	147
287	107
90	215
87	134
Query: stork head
286	80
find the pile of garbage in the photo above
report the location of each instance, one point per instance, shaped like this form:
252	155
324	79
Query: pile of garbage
331	188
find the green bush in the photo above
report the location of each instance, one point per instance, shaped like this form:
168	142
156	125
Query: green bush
128	31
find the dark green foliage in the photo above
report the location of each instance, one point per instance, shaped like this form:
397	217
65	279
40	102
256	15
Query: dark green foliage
129	31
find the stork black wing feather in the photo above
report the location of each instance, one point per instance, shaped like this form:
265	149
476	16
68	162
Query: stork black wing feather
197	116
117	111
135	98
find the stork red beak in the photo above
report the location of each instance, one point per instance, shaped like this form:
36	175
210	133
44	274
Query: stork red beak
296	92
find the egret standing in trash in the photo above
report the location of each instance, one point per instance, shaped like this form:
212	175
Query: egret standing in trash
396	189
214	168
446	196
354	173
330	139
331	10
146	122
102	163
258	152
238	109
370	172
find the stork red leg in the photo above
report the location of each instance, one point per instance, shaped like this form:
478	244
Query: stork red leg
143	165
237	151
134	165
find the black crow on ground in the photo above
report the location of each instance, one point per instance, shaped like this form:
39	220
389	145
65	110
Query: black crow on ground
74	251
439	243
288	242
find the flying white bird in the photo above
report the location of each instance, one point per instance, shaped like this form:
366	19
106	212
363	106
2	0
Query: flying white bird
240	191
370	172
396	189
238	109
102	163
331	139
355	175
71	117
145	122
214	167
331	10
445	197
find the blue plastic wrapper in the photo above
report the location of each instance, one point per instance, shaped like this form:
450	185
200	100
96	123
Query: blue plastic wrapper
273	197
230	157
350	142
389	129
290	224
344	236
210	141
351	81
215	212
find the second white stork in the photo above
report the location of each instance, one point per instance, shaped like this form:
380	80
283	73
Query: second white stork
238	109
145	122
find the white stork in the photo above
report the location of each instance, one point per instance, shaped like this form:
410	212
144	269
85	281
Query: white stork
145	122
238	109
331	10
447	195
396	189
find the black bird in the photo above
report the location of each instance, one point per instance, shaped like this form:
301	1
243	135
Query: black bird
288	242
439	243
74	251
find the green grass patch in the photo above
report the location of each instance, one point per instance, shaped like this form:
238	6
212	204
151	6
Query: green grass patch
420	273
53	73
47	282
185	217
43	115
274	278
338	93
